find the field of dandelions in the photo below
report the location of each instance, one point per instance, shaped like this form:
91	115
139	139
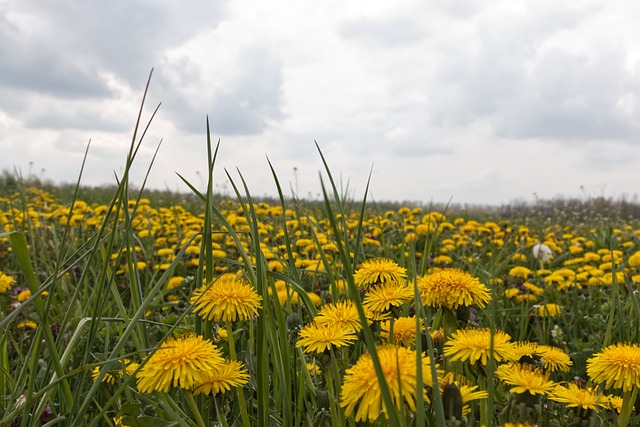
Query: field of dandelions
211	311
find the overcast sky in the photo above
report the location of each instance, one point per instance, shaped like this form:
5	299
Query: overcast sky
474	101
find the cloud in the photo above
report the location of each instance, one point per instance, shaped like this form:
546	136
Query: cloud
247	94
536	72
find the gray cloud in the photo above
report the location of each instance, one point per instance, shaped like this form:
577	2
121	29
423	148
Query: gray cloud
382	31
242	105
65	48
509	74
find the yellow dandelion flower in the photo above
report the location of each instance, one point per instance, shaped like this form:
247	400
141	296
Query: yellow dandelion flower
175	282
547	310
519	424
452	288
554	359
614	403
6	282
524	379
24	324
361	388
618	366
536	290
179	362
525	349
24	295
378	270
521	272
469	393
107	378
404	330
511	292
314	369
229	298
117	421
319	337
634	260
576	397
231	374
383	297
475	344
343	313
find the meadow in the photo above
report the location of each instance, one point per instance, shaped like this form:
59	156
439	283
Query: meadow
155	311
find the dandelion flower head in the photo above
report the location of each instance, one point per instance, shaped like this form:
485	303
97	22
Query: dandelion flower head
229	298
179	362
525	379
475	344
361	388
378	270
231	374
618	366
384	296
404	330
318	337
452	288
576	397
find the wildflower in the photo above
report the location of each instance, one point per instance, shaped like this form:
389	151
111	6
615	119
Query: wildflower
5	282
475	344
343	313
521	272
386	295
518	258
634	260
319	337
175	282
618	366
179	362
107	378
229	298
378	270
542	252
525	349
361	388
576	397
24	324
547	310
554	359
614	403
524	379
404	330
117	421
314	369
452	288
231	374
24	295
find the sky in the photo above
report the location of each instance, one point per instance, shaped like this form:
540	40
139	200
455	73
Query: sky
473	102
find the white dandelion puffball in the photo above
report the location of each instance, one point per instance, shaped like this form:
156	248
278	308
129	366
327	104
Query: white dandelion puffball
541	252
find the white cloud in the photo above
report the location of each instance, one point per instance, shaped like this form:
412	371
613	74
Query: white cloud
482	102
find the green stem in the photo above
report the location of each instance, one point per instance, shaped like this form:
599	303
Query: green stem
484	404
194	408
221	417
232	353
628	398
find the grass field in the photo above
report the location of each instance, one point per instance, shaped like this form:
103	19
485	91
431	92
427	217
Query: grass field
128	309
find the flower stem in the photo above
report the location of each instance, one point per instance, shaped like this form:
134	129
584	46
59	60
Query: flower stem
628	398
194	408
232	353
